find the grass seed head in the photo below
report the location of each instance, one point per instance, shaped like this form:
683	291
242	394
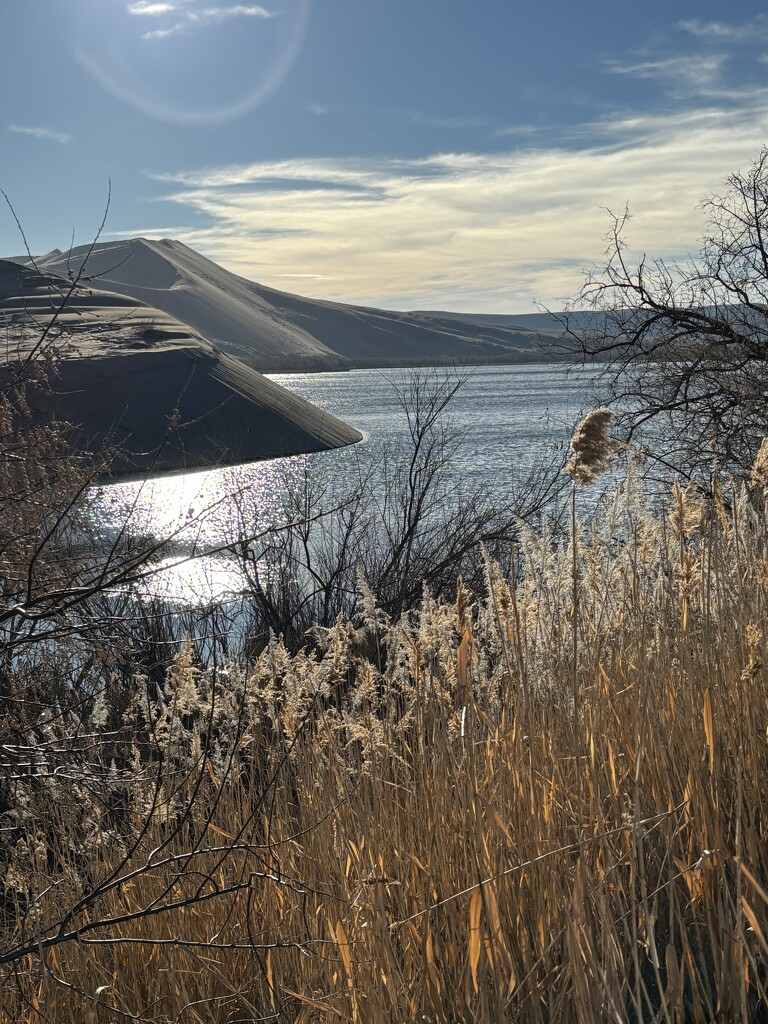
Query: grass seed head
759	473
591	447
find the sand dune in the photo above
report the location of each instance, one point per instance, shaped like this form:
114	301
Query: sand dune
280	332
128	370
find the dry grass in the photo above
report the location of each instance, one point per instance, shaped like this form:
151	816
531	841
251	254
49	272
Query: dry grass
412	823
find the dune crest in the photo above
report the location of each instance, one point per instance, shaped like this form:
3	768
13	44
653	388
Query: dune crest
168	397
275	331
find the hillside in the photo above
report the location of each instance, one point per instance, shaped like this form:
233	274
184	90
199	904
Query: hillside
126	368
279	332
549	323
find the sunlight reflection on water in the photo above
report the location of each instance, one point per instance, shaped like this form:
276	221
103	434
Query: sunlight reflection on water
510	419
202	513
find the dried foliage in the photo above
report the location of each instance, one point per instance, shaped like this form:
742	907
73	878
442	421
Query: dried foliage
591	447
758	476
409	822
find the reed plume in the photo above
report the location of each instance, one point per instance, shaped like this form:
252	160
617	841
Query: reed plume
591	447
759	473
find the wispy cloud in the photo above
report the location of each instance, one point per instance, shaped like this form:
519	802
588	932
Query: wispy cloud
162	33
728	32
46	134
208	14
181	17
303	277
167	231
150	10
489	231
696	72
513	130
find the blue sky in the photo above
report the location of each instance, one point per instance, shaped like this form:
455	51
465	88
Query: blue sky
421	154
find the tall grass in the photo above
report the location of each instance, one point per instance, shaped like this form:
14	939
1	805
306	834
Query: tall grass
408	820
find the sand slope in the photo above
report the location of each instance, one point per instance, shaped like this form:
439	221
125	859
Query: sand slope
277	331
128	371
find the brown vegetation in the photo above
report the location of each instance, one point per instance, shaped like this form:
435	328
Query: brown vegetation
535	797
410	823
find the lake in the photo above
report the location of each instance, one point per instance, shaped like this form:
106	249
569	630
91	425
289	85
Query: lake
506	420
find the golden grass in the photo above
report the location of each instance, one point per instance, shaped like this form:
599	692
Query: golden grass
413	825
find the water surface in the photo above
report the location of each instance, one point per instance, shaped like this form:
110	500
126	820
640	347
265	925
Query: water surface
506	420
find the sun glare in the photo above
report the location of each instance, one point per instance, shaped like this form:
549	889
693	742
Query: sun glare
190	61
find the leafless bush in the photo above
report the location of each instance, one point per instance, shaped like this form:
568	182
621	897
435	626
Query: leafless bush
406	524
684	342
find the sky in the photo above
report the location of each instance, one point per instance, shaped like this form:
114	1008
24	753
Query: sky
413	154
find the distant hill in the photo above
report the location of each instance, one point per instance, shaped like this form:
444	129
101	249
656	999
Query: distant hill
275	331
551	323
127	369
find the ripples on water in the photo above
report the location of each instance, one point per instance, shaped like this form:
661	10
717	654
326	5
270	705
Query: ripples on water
509	419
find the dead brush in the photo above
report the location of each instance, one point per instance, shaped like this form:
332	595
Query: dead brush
432	840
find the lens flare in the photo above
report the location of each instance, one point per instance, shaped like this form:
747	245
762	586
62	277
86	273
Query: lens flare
193	62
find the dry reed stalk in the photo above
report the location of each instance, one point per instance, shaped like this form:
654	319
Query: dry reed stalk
759	473
379	865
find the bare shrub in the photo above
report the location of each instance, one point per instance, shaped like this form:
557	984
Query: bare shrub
684	342
404	525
